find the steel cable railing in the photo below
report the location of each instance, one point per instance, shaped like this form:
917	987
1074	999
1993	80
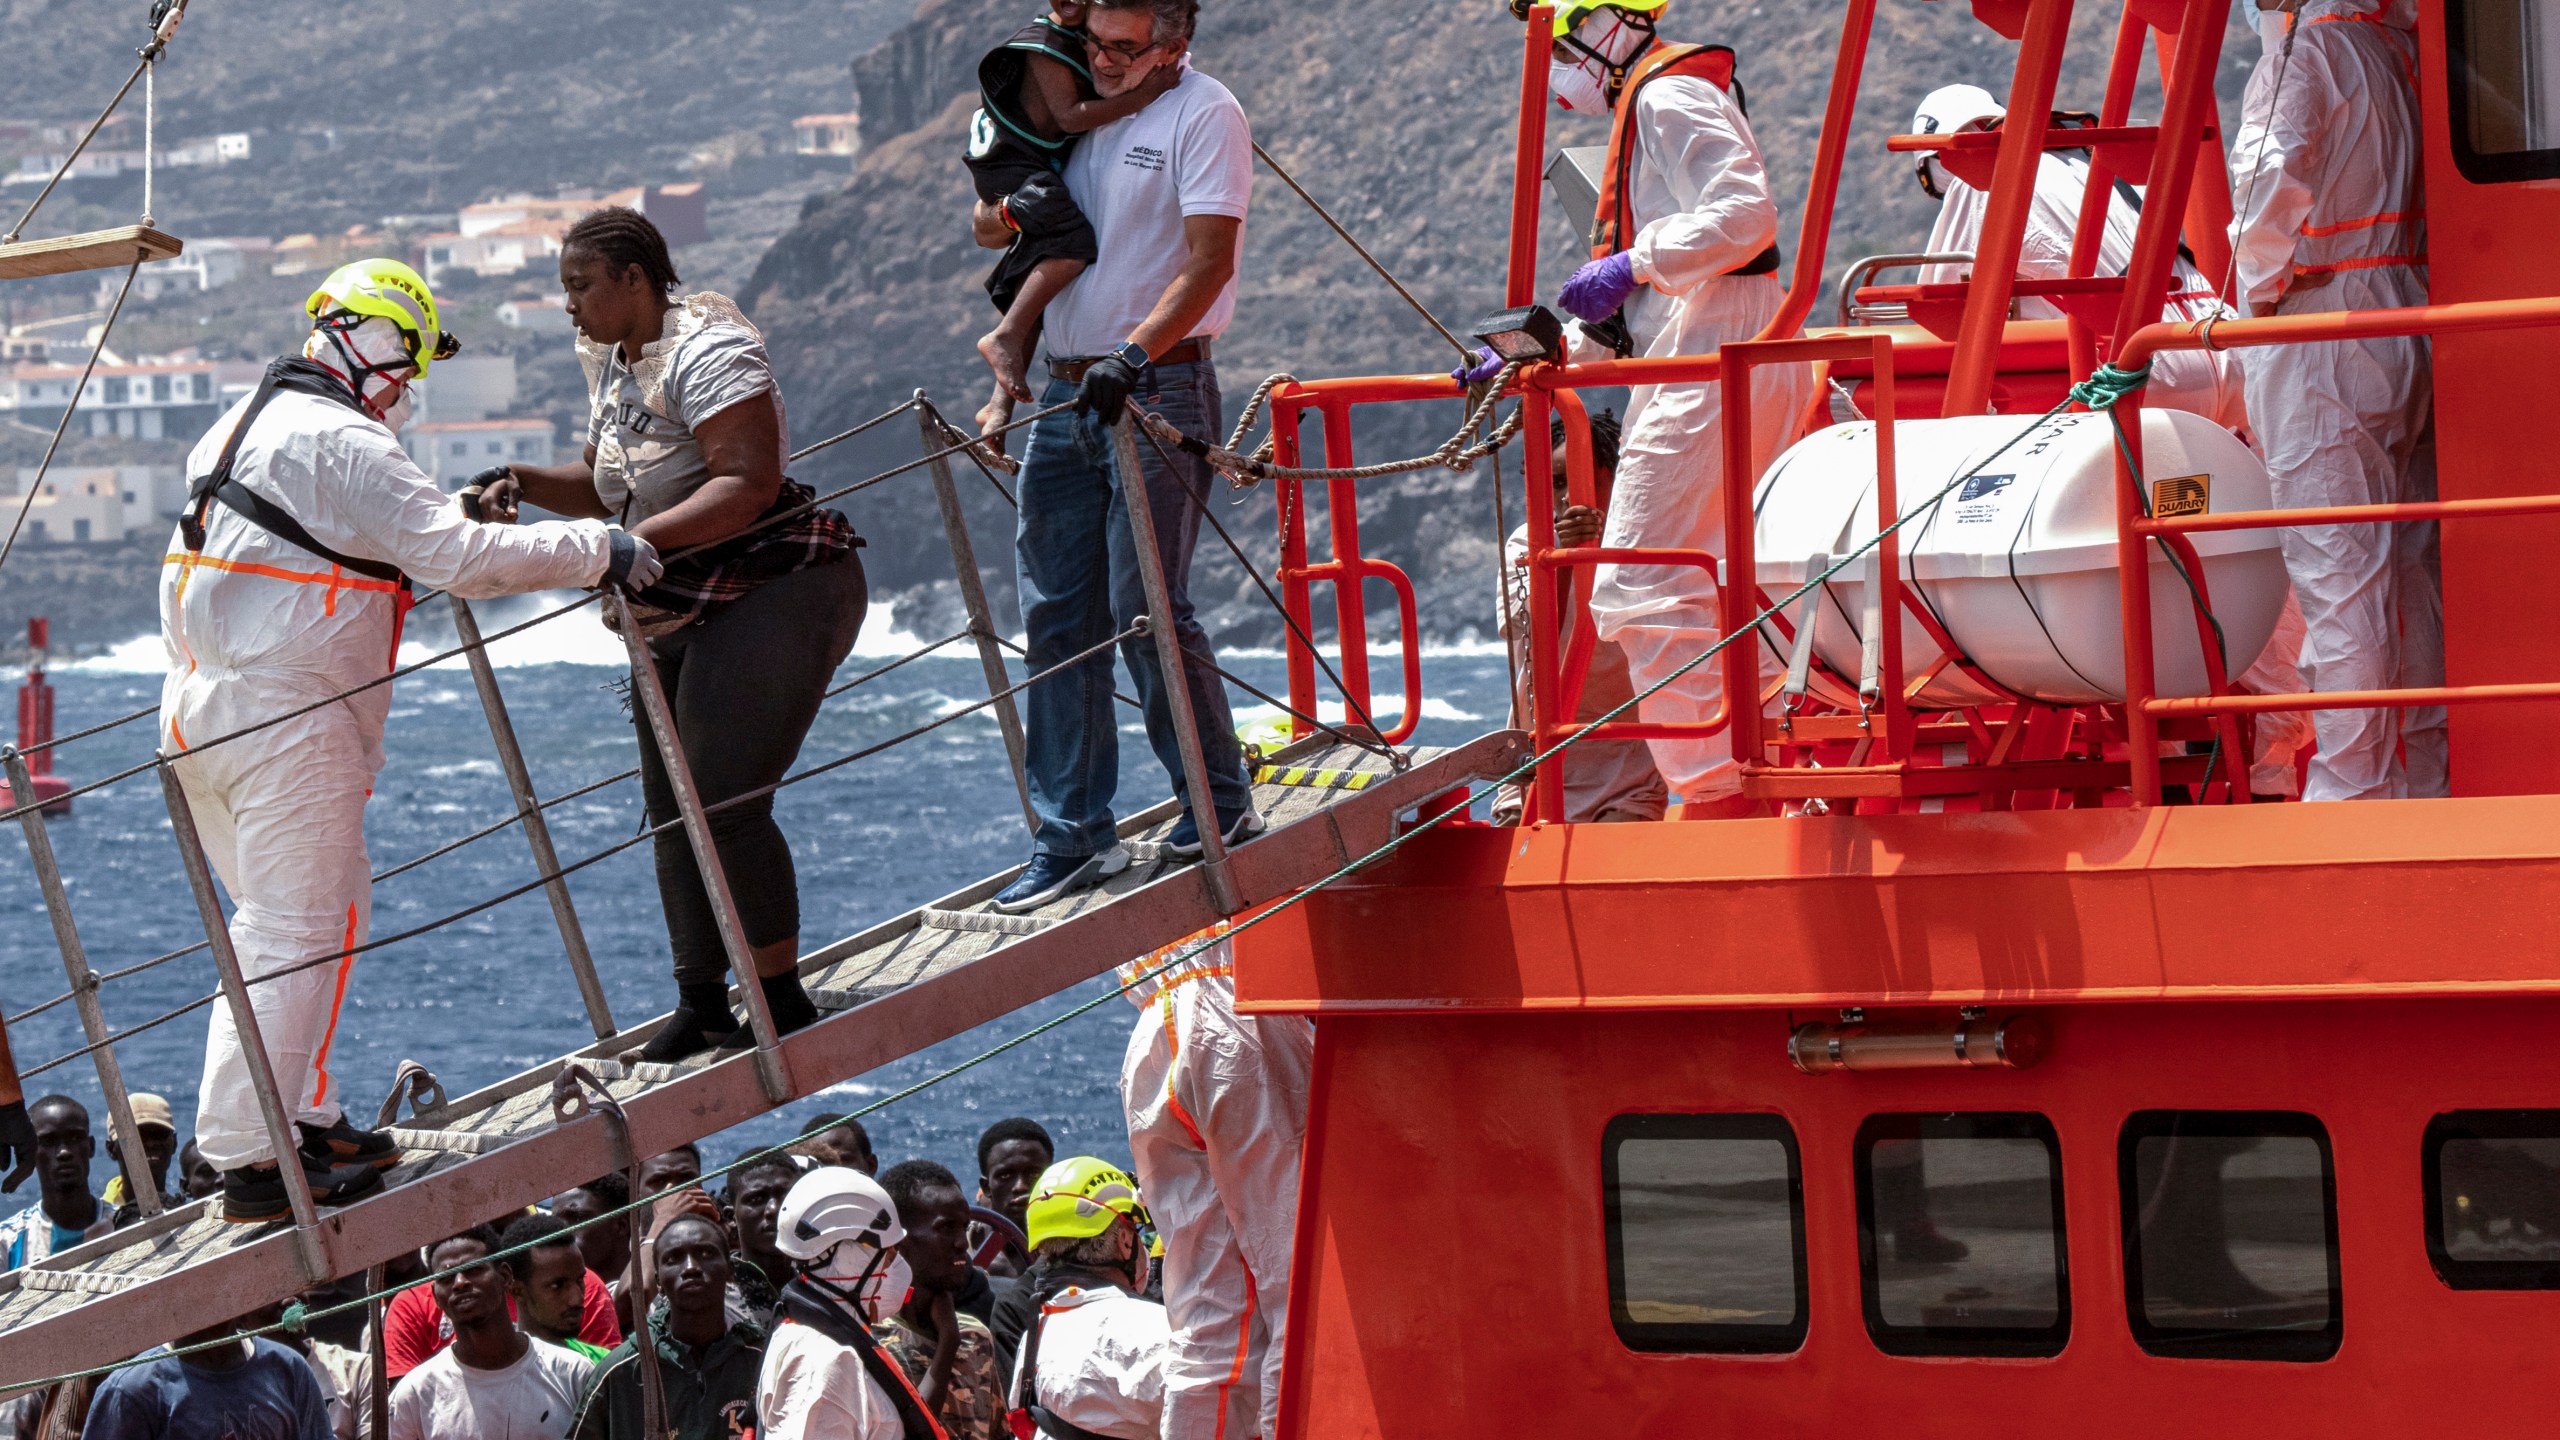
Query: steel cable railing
649	832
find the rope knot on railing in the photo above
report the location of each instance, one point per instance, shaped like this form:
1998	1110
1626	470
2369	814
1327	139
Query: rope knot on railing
2109	384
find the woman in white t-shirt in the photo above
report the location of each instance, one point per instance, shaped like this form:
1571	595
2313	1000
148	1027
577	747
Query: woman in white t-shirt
761	599
494	1382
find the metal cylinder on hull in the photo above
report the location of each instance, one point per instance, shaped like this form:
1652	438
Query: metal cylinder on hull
1974	1042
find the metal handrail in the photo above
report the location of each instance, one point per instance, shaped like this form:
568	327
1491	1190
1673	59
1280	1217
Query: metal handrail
2145	708
1852	313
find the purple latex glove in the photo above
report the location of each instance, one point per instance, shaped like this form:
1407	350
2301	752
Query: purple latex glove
1485	367
1597	289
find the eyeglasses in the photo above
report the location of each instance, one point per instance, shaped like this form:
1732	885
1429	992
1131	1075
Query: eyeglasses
1125	52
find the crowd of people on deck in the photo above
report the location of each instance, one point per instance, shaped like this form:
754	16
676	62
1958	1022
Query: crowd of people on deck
811	1291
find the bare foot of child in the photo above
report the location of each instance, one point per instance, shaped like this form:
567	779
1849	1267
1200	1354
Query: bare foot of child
1004	356
992	417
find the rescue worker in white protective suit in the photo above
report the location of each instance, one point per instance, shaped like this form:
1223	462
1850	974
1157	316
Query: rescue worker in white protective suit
304	528
2332	216
1685	248
1093	1363
1217	1106
2206	382
825	1376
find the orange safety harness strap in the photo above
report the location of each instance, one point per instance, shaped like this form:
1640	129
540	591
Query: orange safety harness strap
1712	63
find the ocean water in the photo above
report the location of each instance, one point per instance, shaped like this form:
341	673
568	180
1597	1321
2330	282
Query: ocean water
492	994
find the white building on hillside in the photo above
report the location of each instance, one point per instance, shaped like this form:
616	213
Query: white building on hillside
452	451
98	505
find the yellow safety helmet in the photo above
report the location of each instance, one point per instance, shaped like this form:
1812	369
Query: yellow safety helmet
1573	12
386	290
1081	1197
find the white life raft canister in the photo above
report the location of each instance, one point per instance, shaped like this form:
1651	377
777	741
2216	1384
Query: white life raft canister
2018	563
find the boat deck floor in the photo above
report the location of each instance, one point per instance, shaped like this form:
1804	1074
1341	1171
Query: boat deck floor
923	977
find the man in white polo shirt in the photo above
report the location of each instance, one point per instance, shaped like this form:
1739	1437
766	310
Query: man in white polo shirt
1165	190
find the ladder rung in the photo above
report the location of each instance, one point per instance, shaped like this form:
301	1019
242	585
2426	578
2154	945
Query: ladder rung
78	1282
458	1142
92	250
986	922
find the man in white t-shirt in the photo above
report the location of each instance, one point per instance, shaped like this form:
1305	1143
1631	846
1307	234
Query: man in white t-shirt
1166	191
494	1382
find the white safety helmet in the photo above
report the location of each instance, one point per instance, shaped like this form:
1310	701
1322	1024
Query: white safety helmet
832	1206
843	1231
1947	109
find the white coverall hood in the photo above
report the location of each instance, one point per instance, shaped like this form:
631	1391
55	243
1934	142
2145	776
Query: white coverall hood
1699	207
255	627
1581	84
1217	1111
2326	178
374	342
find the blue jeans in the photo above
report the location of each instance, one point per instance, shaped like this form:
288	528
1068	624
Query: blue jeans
1080	585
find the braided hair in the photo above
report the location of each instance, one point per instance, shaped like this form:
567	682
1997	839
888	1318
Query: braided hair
1605	435
622	237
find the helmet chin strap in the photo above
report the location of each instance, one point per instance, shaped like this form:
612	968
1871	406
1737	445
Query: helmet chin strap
835	1292
360	373
1616	71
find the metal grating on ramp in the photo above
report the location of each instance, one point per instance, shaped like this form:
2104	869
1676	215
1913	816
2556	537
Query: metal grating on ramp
889	991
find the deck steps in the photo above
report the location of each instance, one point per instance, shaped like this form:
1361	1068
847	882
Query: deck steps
889	991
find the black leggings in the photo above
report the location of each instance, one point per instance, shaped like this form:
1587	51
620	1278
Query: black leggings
744	687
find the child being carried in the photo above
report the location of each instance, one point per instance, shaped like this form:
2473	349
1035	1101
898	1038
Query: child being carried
1037	97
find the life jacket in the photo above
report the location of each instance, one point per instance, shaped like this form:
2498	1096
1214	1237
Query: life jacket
1031	1419
1713	63
803	1306
1006	69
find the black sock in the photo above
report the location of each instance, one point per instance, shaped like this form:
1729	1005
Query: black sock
790	1004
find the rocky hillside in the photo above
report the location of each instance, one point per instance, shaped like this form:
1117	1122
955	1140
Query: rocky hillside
1406	130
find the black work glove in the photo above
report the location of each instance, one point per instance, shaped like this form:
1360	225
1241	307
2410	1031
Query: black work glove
17	1144
478	504
1105	392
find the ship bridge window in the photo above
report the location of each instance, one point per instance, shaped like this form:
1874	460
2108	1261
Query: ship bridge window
1960	1242
1705	1220
2230	1235
2502	60
2493	1199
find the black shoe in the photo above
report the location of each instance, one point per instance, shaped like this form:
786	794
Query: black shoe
688	1032
344	1144
255	1194
791	1006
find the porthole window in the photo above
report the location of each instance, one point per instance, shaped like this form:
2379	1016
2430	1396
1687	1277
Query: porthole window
2493	1198
1705	1220
2230	1235
1960	1235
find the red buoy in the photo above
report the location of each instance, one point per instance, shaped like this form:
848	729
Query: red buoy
35	728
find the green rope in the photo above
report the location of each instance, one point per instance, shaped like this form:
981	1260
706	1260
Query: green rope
1292	901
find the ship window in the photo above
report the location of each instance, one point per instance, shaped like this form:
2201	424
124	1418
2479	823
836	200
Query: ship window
2502	60
1960	1241
2230	1235
1705	1219
2493	1199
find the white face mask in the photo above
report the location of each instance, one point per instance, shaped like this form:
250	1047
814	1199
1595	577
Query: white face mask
402	410
1576	88
376	342
884	1294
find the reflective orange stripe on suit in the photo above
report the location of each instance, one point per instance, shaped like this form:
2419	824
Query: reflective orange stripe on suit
336	579
2362	222
337	1002
2369	262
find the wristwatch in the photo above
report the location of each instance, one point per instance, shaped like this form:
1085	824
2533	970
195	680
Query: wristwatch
1133	355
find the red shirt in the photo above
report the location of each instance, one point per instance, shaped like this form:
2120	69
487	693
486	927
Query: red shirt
414	1326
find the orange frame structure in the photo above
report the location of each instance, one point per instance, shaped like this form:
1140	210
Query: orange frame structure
2363	972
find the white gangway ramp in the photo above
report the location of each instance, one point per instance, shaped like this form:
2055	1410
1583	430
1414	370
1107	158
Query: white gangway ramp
889	991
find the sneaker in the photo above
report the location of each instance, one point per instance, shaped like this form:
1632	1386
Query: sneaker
1048	877
1184	842
344	1144
255	1194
